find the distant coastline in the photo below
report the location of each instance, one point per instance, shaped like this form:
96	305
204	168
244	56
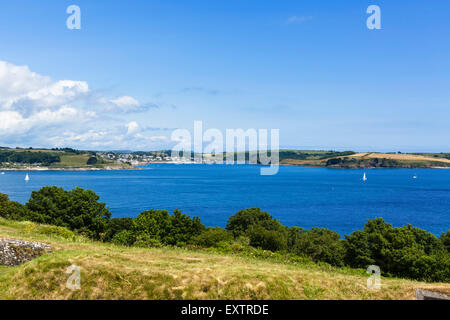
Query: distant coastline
68	159
37	169
69	169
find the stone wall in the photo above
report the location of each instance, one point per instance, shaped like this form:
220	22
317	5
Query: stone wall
16	252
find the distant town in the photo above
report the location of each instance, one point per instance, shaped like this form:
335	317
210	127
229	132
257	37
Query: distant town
72	159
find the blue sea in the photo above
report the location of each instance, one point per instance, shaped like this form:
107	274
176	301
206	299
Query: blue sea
337	199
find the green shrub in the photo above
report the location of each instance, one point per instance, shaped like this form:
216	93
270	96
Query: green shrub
213	237
241	222
145	241
77	210
321	245
91	161
183	228
54	231
267	239
404	252
445	239
168	229
115	226
12	210
124	238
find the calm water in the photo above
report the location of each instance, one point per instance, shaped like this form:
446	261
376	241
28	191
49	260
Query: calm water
306	197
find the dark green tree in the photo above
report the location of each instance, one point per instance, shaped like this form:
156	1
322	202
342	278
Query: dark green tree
91	161
239	223
117	225
265	239
445	239
12	210
321	245
77	209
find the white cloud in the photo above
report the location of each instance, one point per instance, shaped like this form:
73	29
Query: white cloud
107	139
19	80
54	95
132	127
12	122
35	109
126	103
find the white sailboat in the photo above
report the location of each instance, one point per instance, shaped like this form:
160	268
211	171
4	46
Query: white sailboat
27	177
364	177
3	173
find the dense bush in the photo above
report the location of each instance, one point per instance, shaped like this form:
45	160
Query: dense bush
11	210
124	238
321	245
91	161
239	223
176	229
213	237
54	231
116	226
76	209
405	252
265	239
445	238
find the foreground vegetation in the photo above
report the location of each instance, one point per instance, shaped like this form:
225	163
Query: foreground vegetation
116	272
406	252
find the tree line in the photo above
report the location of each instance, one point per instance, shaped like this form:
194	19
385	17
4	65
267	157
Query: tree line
45	158
406	252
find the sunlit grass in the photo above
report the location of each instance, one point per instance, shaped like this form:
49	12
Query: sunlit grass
111	272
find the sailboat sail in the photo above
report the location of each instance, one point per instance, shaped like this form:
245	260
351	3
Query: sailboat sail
364	177
27	177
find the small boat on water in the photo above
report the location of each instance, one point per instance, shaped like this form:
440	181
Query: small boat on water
364	177
414	177
2	173
27	177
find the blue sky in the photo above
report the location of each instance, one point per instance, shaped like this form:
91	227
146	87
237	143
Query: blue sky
138	69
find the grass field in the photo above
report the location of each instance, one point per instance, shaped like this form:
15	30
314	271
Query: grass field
72	161
111	272
400	157
365	159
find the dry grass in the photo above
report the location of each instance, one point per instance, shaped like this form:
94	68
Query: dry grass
110	272
410	159
399	157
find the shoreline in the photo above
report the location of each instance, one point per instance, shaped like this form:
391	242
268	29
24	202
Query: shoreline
68	169
162	162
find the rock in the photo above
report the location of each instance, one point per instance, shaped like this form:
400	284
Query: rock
430	295
16	252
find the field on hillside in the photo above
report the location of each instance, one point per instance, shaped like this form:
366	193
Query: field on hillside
111	272
64	160
73	161
369	160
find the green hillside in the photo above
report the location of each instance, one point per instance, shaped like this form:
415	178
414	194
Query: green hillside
114	272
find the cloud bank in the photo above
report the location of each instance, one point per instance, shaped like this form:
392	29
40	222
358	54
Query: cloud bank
37	111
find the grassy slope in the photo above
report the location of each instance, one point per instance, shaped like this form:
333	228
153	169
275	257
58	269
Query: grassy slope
110	272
